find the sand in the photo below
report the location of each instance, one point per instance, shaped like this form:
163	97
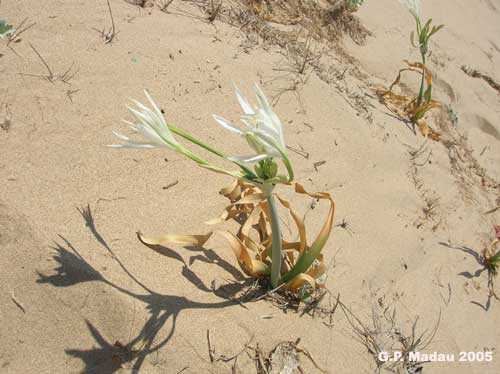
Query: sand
84	295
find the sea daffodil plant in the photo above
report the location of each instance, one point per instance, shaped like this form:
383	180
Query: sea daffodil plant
424	33
252	196
491	261
492	254
414	109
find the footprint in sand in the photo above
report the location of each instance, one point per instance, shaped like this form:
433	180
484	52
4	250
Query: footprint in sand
484	125
11	227
492	5
446	88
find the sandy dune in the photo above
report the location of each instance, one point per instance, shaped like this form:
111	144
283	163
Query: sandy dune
80	293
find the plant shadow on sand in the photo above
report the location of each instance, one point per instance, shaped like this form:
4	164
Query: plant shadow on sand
110	357
481	261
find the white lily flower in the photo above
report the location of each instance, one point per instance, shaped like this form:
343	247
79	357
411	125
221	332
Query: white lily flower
151	124
413	6
264	132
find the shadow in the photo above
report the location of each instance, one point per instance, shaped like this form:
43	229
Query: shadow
73	268
466	274
208	256
409	124
107	357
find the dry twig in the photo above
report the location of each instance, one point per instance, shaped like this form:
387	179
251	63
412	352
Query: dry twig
110	34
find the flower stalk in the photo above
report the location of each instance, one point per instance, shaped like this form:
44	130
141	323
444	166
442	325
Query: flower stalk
422	82
276	251
424	33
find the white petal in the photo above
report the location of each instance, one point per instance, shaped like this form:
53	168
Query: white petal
155	107
265	122
154	119
227	125
143	117
148	146
270	144
245	105
147	122
269	117
120	136
135	144
250	159
261	97
249	121
413	6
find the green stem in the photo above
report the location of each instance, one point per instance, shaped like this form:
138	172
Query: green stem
192	139
199	143
421	92
276	241
192	156
289	168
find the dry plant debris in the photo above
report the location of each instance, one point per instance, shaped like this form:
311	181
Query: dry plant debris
5	117
14	37
327	20
284	358
418	159
407	107
477	74
386	336
108	35
64	77
252	243
413	109
491	259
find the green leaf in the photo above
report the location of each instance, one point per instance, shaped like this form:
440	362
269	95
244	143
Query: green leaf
425	29
428	94
412	39
435	29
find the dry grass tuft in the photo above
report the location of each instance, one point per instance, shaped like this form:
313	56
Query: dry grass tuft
387	336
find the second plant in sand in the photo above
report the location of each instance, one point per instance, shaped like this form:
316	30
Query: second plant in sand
262	253
491	254
415	108
491	260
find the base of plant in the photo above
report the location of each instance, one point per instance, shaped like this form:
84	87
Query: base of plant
286	299
282	298
408	107
302	269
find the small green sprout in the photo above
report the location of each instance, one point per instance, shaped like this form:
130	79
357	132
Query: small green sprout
413	109
354	5
5	29
424	33
453	115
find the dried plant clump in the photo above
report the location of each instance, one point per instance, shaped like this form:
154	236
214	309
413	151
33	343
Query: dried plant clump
328	20
303	270
385	340
408	107
284	358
